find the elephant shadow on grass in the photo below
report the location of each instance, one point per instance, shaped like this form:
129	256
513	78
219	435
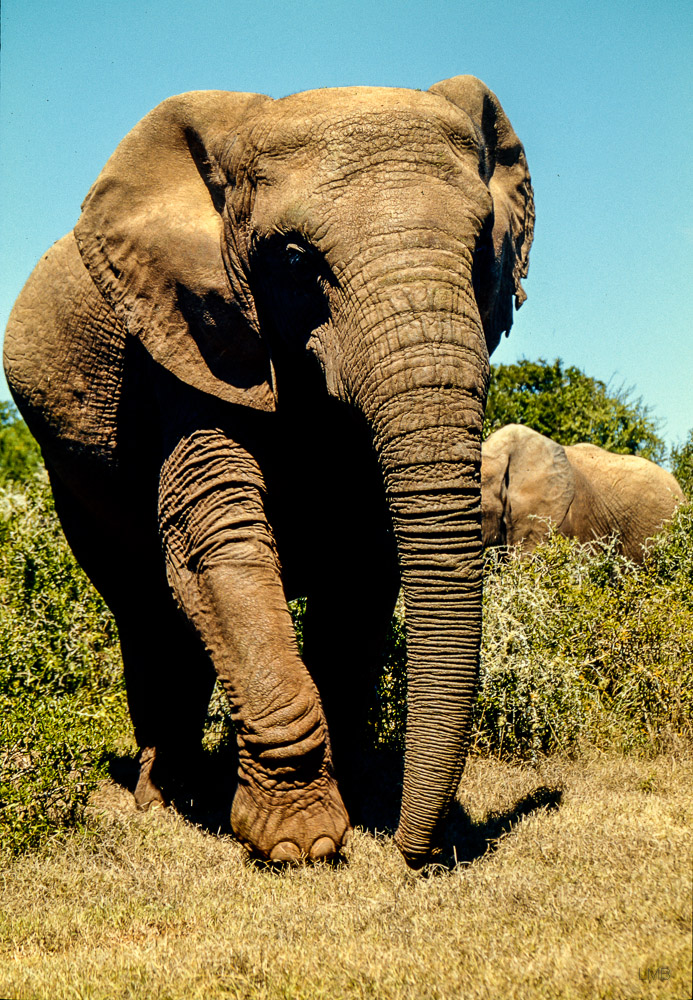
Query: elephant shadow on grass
206	802
465	840
461	839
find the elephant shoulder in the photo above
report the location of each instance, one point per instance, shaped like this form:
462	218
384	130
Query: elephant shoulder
595	462
60	338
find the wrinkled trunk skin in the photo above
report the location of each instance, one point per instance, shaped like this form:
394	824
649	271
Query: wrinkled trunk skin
440	556
424	398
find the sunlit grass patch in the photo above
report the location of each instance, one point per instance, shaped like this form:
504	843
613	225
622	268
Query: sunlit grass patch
575	902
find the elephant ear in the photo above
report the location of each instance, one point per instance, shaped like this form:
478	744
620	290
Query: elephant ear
503	254
540	484
150	235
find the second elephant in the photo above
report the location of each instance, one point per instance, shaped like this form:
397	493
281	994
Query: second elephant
529	482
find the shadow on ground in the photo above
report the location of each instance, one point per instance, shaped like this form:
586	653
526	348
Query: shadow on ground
464	841
205	800
202	797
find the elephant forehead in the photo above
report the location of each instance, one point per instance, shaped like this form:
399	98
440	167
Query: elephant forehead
333	123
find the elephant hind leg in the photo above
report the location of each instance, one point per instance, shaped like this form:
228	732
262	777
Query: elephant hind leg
169	680
168	675
344	653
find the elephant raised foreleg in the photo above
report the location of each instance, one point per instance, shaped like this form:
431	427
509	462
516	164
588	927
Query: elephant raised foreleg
223	567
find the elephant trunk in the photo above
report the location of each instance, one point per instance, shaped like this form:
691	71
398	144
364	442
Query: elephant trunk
425	403
440	557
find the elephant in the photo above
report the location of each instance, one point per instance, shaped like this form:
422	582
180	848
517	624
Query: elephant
529	484
257	369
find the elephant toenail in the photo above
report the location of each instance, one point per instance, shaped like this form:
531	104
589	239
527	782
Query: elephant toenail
324	847
285	851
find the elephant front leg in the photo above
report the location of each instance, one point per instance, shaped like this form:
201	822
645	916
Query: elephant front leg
223	568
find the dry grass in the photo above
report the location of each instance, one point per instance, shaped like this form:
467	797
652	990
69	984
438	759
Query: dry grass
577	882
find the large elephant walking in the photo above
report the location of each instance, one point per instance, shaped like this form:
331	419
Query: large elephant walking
529	482
257	368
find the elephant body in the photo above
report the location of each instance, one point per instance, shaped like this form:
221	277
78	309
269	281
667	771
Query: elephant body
530	483
257	369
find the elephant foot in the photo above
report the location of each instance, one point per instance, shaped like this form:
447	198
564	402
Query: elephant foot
290	823
147	792
163	777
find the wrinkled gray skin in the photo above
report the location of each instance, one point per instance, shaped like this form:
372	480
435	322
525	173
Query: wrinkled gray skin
257	369
528	483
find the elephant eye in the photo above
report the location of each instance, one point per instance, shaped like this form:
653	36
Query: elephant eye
303	263
290	262
290	279
296	255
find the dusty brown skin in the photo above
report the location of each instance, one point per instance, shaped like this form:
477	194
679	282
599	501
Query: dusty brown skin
528	483
257	369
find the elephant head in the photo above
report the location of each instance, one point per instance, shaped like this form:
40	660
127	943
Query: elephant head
363	243
530	483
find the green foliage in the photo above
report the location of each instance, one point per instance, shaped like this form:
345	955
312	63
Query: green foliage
579	647
388	713
61	692
20	456
52	755
56	633
569	406
682	465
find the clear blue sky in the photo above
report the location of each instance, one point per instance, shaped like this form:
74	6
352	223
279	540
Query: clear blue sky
600	94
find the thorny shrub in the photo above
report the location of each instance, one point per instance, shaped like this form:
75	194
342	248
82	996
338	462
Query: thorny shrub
579	646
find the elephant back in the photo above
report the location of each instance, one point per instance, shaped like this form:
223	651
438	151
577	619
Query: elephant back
631	496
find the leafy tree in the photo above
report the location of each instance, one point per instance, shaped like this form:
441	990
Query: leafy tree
682	465
20	456
569	406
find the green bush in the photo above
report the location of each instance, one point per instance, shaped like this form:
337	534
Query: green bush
56	633
62	699
20	455
681	459
569	406
579	647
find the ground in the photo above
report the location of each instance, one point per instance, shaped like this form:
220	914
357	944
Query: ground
573	881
